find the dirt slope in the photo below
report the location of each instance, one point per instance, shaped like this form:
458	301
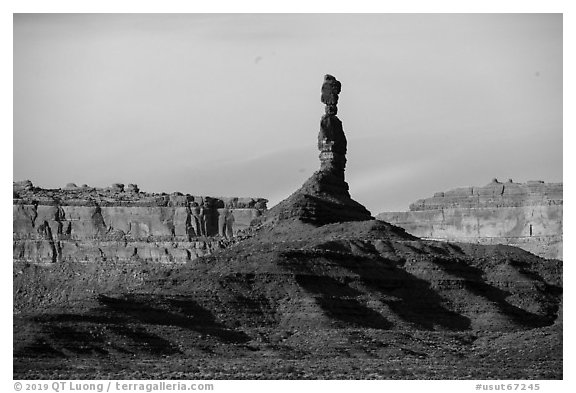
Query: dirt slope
346	300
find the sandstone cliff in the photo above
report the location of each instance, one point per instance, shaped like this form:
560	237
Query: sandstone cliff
91	224
526	215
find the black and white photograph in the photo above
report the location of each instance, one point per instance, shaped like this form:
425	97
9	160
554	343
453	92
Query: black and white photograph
288	196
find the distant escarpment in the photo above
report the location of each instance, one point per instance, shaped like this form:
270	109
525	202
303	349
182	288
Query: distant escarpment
122	223
526	215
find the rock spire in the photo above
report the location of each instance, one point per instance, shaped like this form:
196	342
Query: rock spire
324	197
331	139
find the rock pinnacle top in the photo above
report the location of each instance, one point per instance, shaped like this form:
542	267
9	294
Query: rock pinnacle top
331	139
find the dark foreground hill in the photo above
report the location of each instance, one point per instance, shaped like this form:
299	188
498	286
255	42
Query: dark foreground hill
346	300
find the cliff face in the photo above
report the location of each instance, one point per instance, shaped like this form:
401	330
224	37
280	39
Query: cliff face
89	224
527	215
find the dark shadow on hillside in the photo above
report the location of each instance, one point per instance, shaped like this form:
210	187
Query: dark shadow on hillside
337	299
417	303
85	334
39	348
92	333
528	270
182	312
474	282
251	307
339	302
416	294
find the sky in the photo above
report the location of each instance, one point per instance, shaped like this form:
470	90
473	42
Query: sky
229	104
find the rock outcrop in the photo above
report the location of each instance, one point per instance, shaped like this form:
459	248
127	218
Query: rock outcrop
90	224
324	197
526	215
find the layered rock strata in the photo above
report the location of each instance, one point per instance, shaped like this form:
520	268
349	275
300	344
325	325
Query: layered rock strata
324	197
122	223
526	215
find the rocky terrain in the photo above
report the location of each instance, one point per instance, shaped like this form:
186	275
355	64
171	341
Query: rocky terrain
316	289
123	223
526	215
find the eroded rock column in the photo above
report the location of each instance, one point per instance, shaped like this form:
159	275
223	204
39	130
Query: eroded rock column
331	139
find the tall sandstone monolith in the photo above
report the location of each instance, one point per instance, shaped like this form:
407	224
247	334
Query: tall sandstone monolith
324	197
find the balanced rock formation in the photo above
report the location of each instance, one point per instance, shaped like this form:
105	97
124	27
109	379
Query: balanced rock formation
117	223
324	197
526	215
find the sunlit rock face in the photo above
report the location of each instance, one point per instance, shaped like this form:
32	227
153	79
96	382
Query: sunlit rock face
526	215
122	223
